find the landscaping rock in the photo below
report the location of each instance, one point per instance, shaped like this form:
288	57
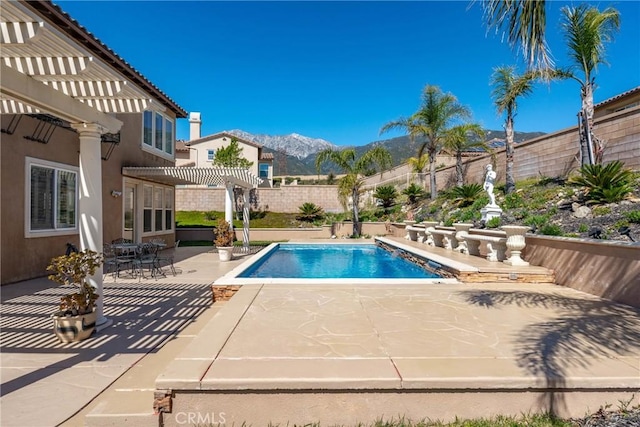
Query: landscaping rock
582	212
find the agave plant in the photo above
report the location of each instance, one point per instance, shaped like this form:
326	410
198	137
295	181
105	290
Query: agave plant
387	195
309	212
605	183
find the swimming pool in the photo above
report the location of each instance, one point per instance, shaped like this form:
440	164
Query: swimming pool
334	261
237	275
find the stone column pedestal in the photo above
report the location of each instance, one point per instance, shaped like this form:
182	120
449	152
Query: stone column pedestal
428	227
515	243
462	229
490	212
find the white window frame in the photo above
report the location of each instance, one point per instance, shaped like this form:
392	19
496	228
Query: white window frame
166	146
159	205
57	167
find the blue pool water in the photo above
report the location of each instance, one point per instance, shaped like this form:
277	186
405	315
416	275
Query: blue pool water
339	261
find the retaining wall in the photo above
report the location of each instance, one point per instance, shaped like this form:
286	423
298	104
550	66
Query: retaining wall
607	269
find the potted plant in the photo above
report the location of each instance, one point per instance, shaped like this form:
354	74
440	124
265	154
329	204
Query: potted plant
224	240
76	318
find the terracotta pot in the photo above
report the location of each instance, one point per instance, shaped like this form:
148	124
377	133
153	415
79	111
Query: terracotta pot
225	252
74	328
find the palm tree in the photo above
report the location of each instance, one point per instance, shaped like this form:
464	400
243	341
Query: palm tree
525	21
507	88
457	140
356	169
436	115
586	31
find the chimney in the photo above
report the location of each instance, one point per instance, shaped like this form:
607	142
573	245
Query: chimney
194	126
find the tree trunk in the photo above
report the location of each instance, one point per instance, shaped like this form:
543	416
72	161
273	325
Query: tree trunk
510	184
432	174
459	177
587	109
356	217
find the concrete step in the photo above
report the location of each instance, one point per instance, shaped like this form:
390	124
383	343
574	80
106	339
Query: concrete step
124	409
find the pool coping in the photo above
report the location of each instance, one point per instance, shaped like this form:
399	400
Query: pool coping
231	278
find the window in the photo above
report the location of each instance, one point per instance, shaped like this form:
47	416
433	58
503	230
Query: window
158	132
168	209
263	170
52	198
211	154
147	226
147	128
157	209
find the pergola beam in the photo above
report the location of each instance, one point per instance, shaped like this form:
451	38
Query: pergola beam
27	90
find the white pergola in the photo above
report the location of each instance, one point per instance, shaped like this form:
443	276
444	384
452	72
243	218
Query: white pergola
50	64
222	177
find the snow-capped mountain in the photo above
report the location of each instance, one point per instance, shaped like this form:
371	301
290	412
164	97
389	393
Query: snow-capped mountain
295	145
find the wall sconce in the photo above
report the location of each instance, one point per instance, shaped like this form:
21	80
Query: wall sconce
115	193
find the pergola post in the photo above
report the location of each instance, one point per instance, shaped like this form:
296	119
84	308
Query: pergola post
228	203
245	219
90	204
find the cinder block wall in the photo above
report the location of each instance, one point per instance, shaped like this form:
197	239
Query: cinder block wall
284	199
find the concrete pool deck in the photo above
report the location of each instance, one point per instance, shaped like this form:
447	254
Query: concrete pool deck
303	353
314	352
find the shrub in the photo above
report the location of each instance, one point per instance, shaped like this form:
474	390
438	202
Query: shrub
601	210
224	234
465	195
387	195
633	216
583	228
414	193
494	222
536	221
551	230
514	200
309	212
605	183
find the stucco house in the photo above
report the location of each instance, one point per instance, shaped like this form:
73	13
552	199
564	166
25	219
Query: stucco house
200	151
74	115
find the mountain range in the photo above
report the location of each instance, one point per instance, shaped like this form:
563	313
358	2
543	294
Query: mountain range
295	154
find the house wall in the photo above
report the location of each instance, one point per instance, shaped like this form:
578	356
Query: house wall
249	152
23	257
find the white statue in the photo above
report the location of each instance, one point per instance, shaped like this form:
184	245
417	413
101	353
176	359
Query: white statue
489	179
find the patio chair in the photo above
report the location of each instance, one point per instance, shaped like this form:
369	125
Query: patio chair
147	256
167	257
116	261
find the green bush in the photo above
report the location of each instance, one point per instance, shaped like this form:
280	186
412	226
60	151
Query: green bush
551	230
633	216
513	200
601	210
494	222
605	183
536	221
583	228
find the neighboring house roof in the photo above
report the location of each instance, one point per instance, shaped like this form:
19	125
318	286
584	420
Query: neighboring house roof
618	97
266	156
181	146
66	24
221	135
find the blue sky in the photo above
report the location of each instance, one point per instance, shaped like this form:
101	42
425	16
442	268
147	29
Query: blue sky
338	70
